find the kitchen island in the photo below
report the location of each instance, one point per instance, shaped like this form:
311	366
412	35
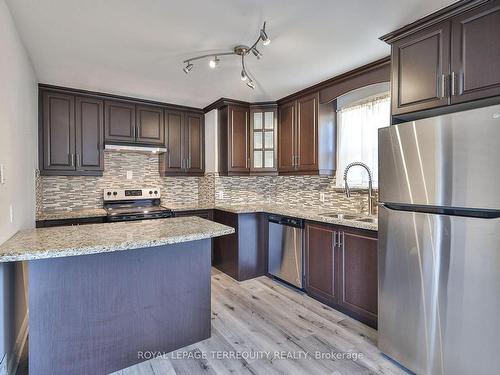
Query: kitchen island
102	294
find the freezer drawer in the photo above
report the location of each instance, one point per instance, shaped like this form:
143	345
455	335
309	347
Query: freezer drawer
439	288
286	253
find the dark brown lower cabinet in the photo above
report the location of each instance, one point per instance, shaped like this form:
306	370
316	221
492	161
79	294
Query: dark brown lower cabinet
242	255
341	269
358	274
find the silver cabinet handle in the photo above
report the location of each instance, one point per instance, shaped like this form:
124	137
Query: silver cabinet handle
334	240
78	160
189	163
72	159
293	160
443	87
453	83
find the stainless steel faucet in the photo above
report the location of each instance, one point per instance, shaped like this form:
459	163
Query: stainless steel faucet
347	190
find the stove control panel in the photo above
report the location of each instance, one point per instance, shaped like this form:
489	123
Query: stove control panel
131	194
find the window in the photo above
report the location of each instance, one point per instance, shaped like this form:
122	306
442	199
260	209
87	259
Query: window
357	137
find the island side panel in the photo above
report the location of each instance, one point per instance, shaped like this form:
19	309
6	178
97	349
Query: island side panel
92	314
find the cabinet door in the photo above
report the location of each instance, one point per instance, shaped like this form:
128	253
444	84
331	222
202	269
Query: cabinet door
173	161
238	145
194	141
321	263
307	133
475	53
359	274
58	127
89	134
420	65
119	122
286	137
263	140
150	125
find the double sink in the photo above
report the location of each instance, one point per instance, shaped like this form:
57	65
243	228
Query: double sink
348	216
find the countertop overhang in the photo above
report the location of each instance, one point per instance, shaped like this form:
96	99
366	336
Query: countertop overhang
54	242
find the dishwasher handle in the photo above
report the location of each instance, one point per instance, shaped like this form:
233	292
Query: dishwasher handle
288	221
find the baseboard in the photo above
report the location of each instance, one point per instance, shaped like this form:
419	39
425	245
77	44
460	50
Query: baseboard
15	357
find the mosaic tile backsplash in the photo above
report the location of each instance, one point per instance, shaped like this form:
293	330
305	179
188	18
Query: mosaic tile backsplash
70	192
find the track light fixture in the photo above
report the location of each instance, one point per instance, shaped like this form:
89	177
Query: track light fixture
214	62
240	50
263	36
188	67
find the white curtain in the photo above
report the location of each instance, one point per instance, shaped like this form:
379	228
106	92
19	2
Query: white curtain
357	126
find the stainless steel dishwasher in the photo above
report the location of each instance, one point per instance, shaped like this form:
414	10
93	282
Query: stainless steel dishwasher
286	256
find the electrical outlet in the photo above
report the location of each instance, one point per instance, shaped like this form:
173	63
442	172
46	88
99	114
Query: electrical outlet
130	175
220	194
11	213
2	174
322	197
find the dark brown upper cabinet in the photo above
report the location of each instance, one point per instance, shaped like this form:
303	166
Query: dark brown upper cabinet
71	134
89	134
300	123
286	140
307	133
234	145
194	143
185	137
450	57
263	139
120	122
475	60
134	124
420	69
341	269
150	125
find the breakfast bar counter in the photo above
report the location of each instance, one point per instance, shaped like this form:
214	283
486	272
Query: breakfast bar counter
101	294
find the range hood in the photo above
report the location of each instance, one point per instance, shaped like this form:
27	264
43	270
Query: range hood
142	149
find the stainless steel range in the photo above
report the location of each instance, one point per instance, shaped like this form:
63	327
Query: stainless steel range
134	204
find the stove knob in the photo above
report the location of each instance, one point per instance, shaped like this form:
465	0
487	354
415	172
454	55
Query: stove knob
156	192
150	192
115	193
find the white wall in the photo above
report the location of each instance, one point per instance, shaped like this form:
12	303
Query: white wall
211	161
18	154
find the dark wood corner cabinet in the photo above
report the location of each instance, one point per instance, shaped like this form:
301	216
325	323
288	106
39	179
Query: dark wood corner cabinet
185	143
70	134
450	57
306	136
341	269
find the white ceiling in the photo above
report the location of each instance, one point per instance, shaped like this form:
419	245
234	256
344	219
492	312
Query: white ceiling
136	47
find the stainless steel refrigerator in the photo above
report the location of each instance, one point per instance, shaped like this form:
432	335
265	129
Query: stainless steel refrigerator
439	243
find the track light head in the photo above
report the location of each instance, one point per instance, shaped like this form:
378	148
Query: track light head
264	36
256	53
188	67
213	62
244	75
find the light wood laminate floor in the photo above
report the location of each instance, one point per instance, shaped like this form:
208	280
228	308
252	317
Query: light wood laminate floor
262	316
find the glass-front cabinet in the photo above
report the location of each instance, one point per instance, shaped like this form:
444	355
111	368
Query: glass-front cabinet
263	139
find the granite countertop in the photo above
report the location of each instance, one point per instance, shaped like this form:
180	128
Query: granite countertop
307	213
43	243
70	214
